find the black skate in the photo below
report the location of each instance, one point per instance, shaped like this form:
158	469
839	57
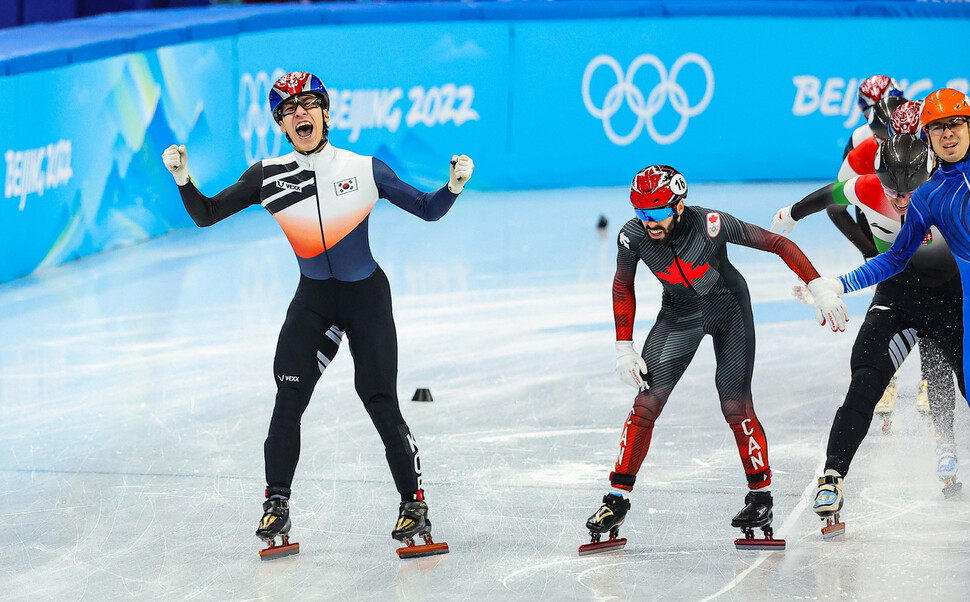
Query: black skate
756	514
276	523
412	522
828	503
607	519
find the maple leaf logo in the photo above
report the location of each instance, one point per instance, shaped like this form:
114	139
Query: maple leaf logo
673	275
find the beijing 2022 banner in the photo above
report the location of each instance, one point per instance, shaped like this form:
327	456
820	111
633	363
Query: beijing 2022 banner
536	103
721	99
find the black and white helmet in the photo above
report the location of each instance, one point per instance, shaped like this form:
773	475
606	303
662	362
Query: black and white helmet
903	163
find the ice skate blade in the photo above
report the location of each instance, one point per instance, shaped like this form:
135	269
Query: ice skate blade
752	543
602	546
952	490
273	552
833	530
419	551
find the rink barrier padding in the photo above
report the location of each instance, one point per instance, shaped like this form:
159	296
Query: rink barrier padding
414	83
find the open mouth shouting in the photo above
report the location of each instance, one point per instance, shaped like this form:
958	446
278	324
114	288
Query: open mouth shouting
304	130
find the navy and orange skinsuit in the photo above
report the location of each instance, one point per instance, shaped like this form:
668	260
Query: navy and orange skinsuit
703	294
323	202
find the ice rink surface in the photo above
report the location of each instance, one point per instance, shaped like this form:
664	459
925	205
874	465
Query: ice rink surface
136	389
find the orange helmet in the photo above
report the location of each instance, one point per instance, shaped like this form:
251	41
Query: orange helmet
944	103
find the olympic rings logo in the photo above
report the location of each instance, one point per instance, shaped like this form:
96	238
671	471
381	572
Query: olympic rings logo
645	109
256	123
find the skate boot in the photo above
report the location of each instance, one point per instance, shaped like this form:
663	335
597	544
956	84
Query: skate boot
412	521
607	519
276	523
923	399
828	503
884	409
946	469
756	514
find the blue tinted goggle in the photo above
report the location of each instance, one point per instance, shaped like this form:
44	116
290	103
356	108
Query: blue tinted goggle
655	215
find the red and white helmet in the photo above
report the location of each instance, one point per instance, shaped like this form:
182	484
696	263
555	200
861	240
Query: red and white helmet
874	88
905	119
657	187
293	84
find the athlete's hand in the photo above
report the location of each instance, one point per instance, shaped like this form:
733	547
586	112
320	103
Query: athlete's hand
177	162
461	171
828	305
800	291
783	223
630	367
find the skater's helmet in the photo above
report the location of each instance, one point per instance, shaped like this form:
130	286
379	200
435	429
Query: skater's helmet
875	87
942	104
655	192
882	113
905	119
903	163
292	84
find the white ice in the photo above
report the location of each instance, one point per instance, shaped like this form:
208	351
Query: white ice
136	389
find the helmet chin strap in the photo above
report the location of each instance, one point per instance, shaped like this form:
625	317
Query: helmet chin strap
323	142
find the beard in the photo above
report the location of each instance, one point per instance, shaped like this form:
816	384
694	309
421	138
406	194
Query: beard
660	229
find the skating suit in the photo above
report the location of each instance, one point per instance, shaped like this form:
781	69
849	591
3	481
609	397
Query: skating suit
322	202
703	294
941	202
921	303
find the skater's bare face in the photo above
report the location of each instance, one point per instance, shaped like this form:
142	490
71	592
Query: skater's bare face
660	231
950	138
303	120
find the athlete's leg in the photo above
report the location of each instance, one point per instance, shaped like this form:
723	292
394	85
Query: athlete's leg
942	394
366	313
884	341
307	344
668	351
732	329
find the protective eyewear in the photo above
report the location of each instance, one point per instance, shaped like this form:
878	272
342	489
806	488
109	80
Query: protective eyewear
938	128
307	101
655	215
897	194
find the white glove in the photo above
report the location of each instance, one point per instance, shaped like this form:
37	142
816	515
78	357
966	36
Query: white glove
177	162
461	171
800	291
630	367
828	305
783	223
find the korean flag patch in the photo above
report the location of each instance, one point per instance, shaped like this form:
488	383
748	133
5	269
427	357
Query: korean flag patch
713	224
345	186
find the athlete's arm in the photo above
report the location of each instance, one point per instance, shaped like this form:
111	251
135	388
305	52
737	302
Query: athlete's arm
892	261
832	198
429	206
749	235
624	297
206	211
822	198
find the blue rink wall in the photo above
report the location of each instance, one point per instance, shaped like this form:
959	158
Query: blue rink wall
547	101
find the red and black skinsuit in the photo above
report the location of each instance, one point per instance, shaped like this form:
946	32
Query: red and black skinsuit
703	293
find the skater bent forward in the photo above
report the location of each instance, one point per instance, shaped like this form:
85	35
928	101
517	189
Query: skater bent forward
703	294
322	197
